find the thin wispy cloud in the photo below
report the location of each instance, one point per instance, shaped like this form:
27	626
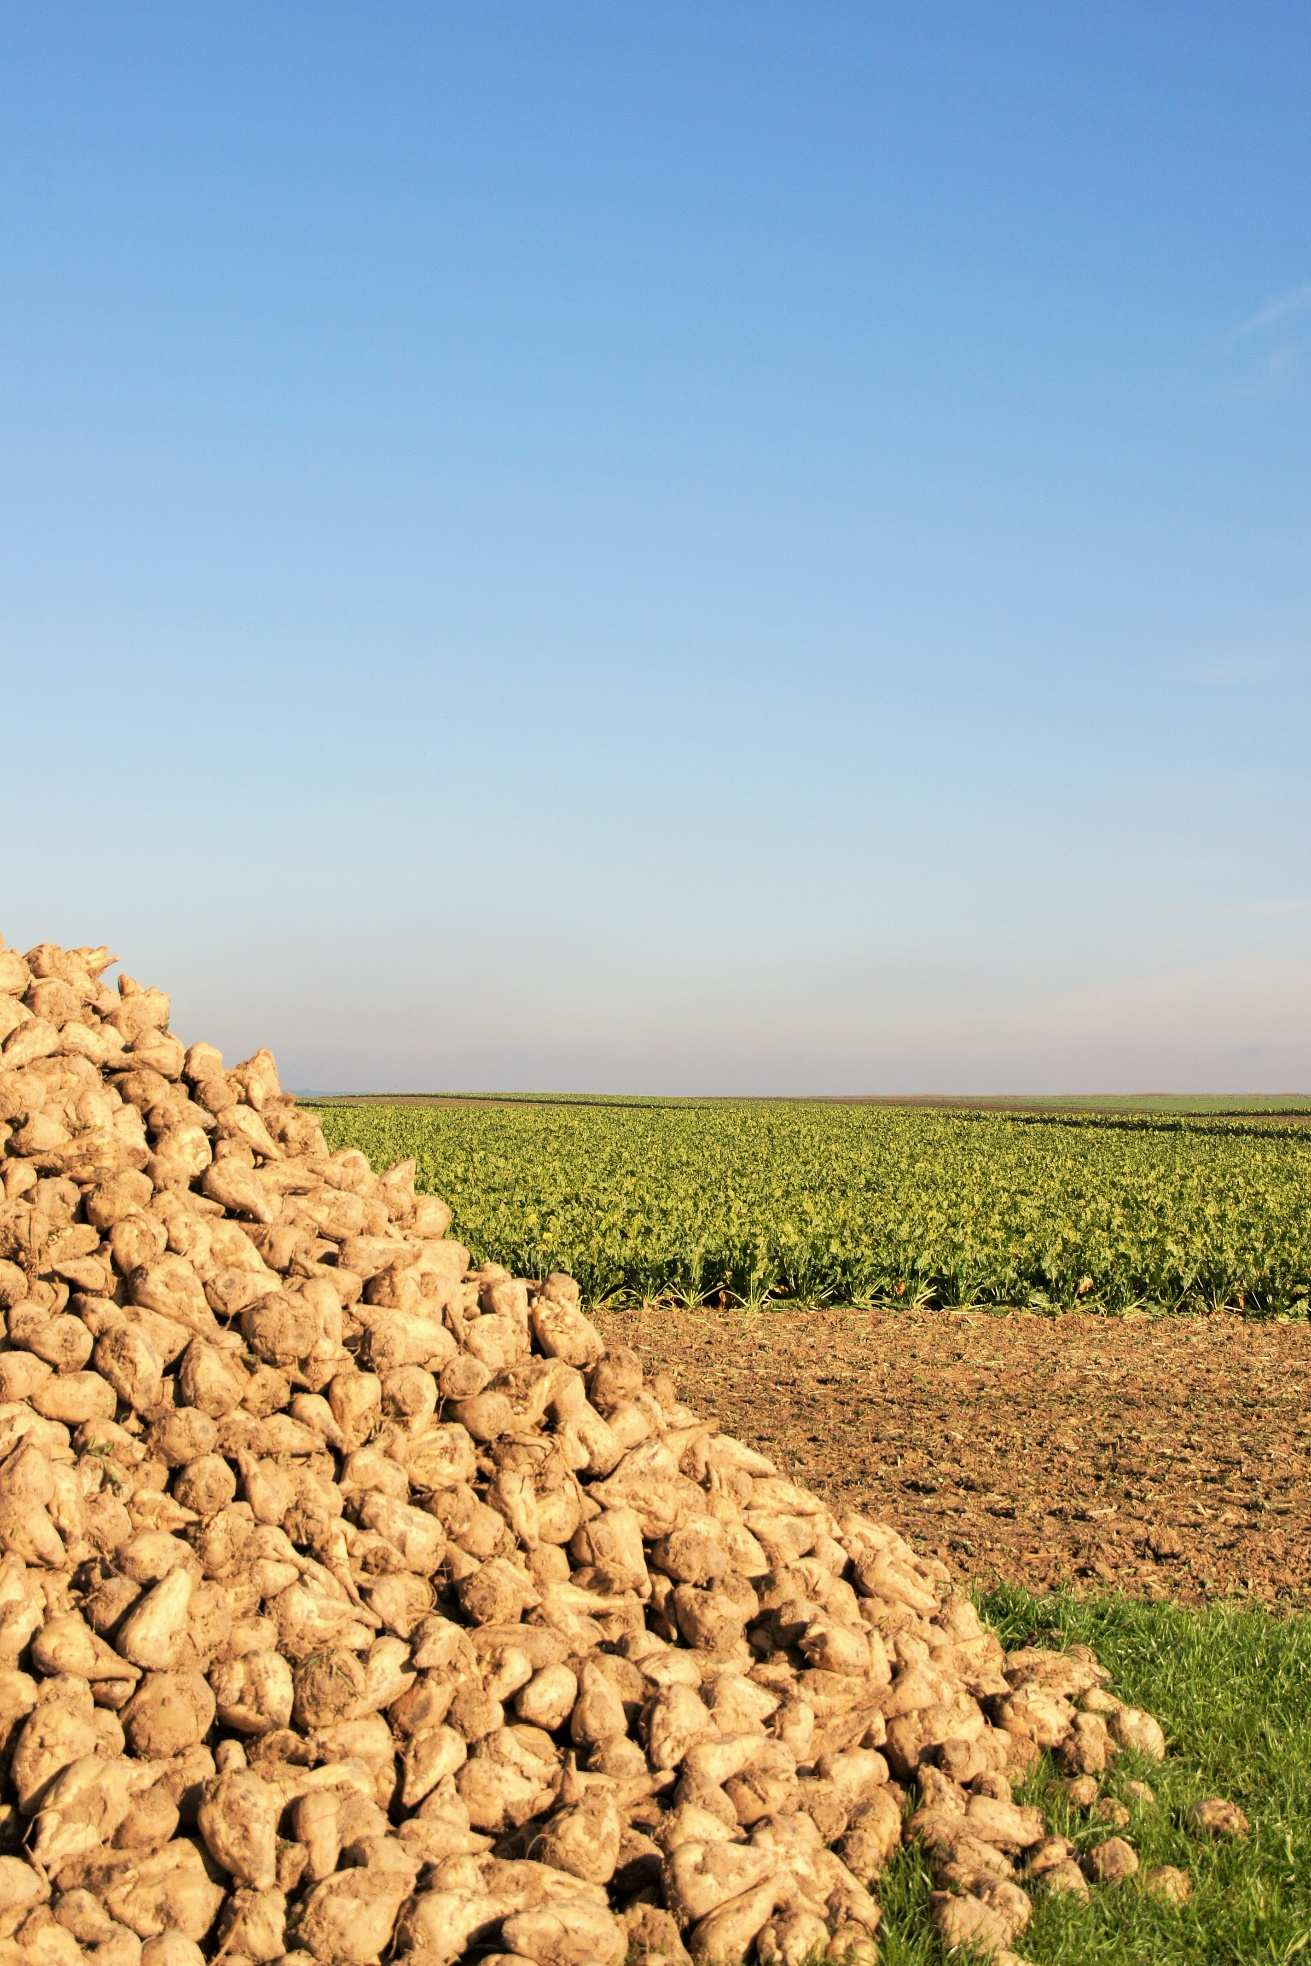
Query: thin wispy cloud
1274	339
1276	313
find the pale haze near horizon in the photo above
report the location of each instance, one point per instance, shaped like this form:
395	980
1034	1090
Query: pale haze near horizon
736	550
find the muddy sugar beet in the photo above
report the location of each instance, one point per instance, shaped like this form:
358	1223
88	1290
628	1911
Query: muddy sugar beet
357	1602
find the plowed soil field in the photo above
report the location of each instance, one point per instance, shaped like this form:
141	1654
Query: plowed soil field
1166	1457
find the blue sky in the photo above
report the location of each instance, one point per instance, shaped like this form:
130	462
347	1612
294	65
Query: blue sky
732	548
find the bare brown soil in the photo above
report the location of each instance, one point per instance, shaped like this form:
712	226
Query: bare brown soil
1166	1457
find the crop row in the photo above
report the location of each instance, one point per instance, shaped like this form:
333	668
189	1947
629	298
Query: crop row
857	1204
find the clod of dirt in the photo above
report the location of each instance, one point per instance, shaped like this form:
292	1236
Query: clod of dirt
356	1601
1053	1850
1168	1882
1066	1877
1132	1728
1216	1817
1111	1862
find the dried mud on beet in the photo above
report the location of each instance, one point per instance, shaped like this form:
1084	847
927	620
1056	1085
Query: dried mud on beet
1166	1457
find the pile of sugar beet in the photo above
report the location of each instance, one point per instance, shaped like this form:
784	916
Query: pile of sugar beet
357	1603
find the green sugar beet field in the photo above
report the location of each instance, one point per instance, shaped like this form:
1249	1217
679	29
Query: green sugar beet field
818	1202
